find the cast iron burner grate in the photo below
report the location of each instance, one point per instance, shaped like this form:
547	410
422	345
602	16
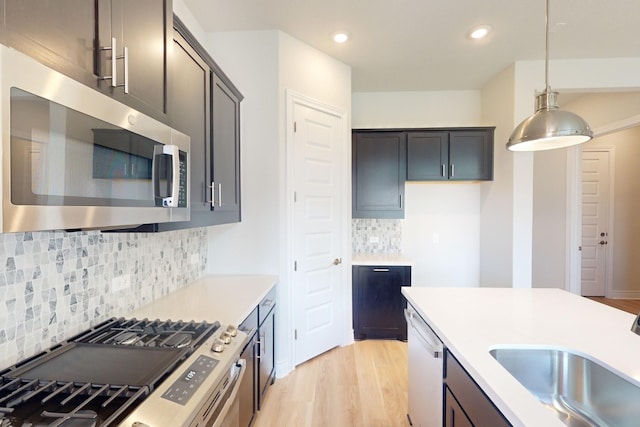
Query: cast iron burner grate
99	376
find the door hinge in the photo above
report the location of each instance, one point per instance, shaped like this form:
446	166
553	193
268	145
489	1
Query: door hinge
295	334
295	265
295	196
295	127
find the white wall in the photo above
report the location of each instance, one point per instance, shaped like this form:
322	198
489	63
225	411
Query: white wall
496	199
187	18
415	109
544	185
441	233
264	65
251	61
449	210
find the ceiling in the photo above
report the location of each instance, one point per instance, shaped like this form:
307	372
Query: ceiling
414	45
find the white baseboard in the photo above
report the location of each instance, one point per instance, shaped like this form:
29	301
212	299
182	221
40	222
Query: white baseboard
624	295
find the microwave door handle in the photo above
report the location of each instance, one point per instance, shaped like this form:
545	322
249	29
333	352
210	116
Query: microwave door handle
173	151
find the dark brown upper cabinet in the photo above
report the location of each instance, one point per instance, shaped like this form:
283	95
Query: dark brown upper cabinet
76	38
464	154
378	174
206	106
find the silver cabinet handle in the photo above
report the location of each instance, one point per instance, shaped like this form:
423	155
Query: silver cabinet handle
114	69
453	170
380	270
114	58
268	302
444	170
126	69
213	194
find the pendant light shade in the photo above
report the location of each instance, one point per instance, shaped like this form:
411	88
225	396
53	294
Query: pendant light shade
549	127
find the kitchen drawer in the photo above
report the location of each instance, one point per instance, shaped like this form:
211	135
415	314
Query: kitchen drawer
251	322
266	305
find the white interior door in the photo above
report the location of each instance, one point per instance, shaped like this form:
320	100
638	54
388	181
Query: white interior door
317	231
595	221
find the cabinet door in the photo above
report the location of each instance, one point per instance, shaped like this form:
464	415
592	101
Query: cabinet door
58	33
471	155
190	112
469	396
74	37
379	173
454	415
144	27
225	152
267	356
379	305
427	156
246	393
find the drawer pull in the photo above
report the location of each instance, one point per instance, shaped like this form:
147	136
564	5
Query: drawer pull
381	270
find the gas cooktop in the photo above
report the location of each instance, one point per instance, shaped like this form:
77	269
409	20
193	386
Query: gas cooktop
99	376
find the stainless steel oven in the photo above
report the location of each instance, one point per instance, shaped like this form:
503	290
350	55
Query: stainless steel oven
74	158
130	373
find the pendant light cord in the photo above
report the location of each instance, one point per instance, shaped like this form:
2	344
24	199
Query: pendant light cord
546	58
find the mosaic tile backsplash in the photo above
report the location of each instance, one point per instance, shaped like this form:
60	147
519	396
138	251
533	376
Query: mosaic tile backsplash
387	231
56	284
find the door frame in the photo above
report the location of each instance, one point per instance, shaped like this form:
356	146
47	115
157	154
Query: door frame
287	364
574	208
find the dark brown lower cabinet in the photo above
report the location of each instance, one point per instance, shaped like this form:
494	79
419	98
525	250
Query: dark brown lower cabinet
378	305
465	404
454	414
247	395
259	356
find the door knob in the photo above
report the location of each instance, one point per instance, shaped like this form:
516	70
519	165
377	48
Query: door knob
602	242
337	261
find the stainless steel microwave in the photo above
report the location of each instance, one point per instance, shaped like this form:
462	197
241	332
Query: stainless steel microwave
74	158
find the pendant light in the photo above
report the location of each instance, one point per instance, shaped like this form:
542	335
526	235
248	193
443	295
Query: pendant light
549	127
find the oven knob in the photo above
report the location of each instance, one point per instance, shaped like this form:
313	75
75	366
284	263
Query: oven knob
225	337
217	346
232	330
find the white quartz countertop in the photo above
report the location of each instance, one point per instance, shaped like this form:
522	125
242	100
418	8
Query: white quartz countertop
472	321
380	259
228	299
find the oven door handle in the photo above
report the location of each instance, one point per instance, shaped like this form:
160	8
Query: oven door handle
231	403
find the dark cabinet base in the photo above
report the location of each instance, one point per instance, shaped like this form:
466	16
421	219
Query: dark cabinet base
465	404
378	305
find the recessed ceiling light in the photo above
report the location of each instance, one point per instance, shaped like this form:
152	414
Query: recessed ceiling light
479	32
340	36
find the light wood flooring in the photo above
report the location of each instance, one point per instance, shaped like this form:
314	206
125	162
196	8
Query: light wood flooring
359	385
629	305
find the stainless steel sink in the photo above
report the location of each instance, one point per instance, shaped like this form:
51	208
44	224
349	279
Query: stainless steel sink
580	391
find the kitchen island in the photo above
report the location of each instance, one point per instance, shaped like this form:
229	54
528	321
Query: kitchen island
472	321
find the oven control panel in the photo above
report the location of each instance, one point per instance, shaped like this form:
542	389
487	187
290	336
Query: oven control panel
191	390
183	388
